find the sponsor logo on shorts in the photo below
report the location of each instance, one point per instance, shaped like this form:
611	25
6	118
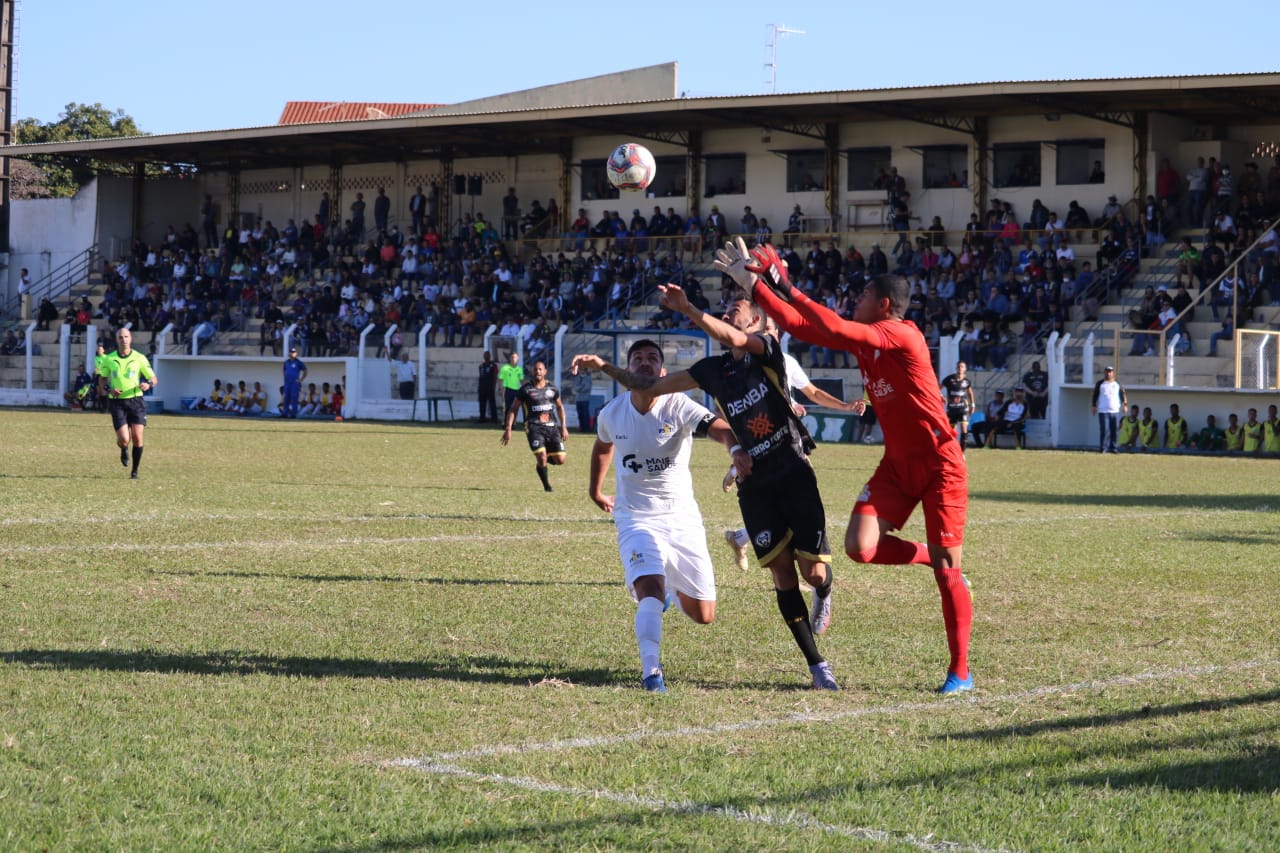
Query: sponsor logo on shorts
865	495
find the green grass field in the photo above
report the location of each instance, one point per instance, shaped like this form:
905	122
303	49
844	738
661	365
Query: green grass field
366	637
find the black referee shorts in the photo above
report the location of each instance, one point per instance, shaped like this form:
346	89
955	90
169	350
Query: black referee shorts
129	411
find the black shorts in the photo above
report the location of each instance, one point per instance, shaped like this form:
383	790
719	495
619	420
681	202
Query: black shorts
545	437
131	411
957	414
785	512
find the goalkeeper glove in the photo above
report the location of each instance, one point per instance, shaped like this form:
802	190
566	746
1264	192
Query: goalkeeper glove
771	271
732	261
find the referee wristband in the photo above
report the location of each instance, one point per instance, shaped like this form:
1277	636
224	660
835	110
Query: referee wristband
735	449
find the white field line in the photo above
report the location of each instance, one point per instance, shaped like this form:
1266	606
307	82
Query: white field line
836	519
441	764
936	704
168	517
758	816
318	543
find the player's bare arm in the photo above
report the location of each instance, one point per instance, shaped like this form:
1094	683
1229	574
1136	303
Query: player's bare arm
601	456
674	297
655	385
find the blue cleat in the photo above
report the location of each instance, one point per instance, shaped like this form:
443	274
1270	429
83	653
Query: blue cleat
955	684
655	683
822	677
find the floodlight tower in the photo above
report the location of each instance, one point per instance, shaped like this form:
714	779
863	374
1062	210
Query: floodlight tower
776	30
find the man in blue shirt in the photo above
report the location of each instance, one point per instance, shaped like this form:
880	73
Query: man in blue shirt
295	371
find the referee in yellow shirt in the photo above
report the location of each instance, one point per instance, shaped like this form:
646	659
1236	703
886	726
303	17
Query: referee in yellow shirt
126	374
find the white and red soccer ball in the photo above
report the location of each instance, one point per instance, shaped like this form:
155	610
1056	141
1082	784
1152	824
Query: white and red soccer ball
631	167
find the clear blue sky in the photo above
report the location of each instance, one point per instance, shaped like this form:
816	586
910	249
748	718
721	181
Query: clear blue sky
182	65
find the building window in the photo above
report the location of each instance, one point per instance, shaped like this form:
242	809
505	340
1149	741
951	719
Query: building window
726	174
595	181
671	179
804	171
945	166
1080	161
1016	164
867	168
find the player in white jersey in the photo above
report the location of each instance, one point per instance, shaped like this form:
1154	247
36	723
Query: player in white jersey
661	540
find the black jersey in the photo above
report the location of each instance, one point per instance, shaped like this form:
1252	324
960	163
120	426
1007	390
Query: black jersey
957	395
539	405
751	393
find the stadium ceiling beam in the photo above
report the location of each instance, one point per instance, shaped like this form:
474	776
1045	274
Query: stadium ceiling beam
1057	105
960	123
1254	105
770	120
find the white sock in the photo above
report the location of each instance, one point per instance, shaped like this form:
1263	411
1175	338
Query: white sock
649	634
740	537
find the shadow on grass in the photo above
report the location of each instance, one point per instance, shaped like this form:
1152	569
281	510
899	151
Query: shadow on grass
1146	501
613	831
1094	721
484	670
458	581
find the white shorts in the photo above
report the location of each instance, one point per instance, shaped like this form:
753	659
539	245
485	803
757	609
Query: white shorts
678	553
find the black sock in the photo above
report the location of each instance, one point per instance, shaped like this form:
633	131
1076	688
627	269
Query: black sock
137	456
542	475
796	615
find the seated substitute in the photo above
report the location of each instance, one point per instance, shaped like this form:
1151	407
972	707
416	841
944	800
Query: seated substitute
1012	420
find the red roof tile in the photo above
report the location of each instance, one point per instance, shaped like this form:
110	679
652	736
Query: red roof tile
306	112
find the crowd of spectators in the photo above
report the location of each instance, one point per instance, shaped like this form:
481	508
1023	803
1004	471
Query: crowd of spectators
333	284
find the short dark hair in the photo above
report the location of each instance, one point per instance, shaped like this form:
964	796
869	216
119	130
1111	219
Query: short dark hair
645	343
894	288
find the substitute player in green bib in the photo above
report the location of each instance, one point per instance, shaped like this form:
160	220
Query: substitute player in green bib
126	374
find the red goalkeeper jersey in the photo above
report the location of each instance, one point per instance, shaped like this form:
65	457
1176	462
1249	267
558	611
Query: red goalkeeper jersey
896	368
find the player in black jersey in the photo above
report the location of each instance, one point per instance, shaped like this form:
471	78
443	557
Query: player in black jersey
544	421
778	492
958	391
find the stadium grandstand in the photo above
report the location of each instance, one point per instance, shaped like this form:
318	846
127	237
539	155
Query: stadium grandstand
1040	222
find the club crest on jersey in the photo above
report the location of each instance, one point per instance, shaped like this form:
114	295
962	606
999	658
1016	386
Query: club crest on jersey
666	429
763	539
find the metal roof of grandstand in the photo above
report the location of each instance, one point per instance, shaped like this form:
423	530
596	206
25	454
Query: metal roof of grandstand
502	127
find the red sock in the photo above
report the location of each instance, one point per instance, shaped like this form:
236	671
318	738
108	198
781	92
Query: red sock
892	551
957	616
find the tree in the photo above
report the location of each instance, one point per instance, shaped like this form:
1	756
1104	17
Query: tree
63	175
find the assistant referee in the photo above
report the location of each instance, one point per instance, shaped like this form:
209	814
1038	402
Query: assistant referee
125	376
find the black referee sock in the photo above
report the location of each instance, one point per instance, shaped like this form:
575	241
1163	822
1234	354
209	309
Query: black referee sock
796	615
137	456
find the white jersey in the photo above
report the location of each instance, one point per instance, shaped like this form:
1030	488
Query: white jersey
651	455
796	377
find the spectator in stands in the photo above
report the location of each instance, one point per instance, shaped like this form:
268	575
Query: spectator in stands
47	313
1197	178
1226	333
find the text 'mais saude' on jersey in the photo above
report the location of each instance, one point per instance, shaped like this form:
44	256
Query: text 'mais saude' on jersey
651	453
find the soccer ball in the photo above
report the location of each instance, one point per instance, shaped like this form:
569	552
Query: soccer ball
631	167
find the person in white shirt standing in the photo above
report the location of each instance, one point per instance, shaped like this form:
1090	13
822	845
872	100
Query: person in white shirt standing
1108	402
661	538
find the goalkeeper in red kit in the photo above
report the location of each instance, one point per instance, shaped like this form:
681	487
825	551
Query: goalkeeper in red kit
922	463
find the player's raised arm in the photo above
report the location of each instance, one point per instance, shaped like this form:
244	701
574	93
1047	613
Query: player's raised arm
674	297
656	386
